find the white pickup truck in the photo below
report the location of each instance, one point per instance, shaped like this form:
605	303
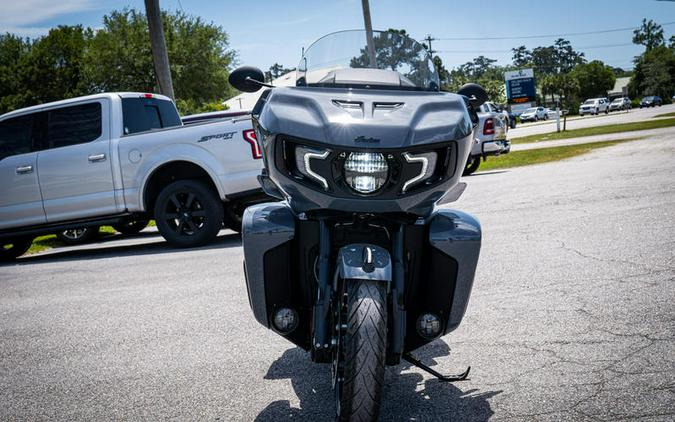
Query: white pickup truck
490	137
116	158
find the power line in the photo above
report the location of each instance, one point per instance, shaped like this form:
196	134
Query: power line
571	34
588	47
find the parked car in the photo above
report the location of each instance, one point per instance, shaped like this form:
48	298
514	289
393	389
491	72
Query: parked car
533	114
113	158
490	140
553	114
651	101
620	104
594	106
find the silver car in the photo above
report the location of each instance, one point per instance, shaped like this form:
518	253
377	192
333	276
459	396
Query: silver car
620	104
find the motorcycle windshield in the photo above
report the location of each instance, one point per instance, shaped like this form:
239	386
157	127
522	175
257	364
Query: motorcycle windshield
353	59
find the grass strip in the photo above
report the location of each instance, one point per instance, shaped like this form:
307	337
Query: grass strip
596	130
43	243
544	155
665	115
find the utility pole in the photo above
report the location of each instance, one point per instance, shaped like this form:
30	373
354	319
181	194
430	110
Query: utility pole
160	57
428	39
369	34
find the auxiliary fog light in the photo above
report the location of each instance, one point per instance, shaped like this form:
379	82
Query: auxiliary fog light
285	320
428	326
366	172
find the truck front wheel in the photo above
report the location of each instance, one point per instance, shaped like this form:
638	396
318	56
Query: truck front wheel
188	213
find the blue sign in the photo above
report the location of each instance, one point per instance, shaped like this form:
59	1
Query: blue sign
520	86
521	90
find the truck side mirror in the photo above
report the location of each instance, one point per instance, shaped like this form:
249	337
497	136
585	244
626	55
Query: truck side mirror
247	79
475	93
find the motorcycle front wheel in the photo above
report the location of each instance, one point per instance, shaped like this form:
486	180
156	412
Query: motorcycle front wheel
361	350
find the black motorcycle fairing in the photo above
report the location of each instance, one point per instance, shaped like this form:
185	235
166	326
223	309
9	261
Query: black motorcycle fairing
439	258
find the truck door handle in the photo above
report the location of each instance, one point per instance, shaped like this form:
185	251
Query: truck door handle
96	158
24	169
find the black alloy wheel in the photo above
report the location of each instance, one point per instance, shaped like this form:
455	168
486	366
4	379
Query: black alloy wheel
14	248
188	213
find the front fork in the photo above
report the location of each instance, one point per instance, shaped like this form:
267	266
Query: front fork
359	261
320	340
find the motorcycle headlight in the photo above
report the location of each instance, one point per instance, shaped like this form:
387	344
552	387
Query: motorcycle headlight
428	166
366	172
303	162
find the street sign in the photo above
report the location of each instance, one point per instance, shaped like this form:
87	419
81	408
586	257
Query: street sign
520	86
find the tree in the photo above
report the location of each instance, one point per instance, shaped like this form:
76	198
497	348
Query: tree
521	56
275	71
443	74
120	59
595	78
649	34
393	49
565	56
13	54
56	64
654	73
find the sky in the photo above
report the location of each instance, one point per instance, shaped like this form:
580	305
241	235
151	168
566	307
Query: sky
265	32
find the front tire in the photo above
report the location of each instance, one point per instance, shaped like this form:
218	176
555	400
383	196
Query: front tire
364	347
11	249
188	213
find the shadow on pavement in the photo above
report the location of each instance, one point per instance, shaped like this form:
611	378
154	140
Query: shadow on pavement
97	251
435	400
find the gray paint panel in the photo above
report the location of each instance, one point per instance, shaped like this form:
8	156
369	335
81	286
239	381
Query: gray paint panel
264	227
457	235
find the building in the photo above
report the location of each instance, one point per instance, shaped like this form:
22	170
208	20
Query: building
620	88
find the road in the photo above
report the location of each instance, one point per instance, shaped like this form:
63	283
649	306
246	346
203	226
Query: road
571	318
634	115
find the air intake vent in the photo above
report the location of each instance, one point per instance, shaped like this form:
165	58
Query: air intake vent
354	108
385	108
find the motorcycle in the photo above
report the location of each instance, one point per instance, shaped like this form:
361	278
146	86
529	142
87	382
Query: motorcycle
357	264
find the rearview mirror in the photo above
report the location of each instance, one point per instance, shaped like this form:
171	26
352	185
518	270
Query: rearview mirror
475	93
247	78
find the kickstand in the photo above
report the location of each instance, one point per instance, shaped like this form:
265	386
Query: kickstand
447	378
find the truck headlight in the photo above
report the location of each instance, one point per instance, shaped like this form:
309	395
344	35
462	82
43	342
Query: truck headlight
303	162
428	162
366	172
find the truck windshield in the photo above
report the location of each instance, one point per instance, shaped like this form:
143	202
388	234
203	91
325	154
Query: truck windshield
144	114
383	60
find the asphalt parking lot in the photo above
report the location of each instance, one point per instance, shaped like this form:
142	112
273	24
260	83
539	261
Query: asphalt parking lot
572	316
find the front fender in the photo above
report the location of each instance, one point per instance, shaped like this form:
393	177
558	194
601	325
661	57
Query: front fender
352	262
171	153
